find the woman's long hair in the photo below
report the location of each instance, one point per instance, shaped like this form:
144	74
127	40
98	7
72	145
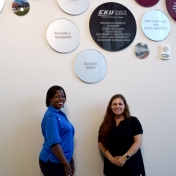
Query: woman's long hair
109	121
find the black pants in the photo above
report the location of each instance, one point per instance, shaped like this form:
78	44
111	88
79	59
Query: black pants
51	169
127	175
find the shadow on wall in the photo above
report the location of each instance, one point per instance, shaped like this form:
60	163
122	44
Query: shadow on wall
23	140
86	138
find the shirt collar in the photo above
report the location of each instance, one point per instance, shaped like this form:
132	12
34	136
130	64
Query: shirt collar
55	110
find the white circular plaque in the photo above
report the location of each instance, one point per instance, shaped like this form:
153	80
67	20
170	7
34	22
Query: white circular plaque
155	25
73	7
63	35
90	66
1	5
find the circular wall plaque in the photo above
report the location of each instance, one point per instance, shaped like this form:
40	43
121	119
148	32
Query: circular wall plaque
1	5
147	3
73	7
90	66
171	8
20	7
112	26
63	35
155	25
141	50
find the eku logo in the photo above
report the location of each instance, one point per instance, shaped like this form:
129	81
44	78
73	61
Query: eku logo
106	12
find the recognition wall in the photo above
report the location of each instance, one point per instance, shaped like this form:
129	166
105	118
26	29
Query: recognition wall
126	59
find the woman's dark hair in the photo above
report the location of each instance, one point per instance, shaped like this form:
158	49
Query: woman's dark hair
51	92
109	121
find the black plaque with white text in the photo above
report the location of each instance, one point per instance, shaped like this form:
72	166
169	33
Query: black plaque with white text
112	26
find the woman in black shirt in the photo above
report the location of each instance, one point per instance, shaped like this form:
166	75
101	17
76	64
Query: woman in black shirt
120	139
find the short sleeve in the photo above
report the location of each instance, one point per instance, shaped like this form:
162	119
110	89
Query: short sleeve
52	132
136	127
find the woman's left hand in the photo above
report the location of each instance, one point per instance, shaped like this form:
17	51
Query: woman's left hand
121	161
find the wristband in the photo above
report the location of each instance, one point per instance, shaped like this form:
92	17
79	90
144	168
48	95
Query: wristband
124	157
127	156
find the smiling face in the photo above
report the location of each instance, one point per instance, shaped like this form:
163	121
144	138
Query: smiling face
118	107
58	100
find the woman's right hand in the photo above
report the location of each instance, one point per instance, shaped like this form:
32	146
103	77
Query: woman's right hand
72	168
68	171
114	159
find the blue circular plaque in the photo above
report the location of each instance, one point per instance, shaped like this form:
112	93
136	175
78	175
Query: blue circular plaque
112	26
90	66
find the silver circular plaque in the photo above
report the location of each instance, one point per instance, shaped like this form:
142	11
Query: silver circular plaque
73	7
155	25
142	50
1	5
63	35
90	66
20	7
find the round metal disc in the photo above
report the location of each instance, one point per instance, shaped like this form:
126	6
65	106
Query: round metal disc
1	5
90	66
112	26
141	50
147	3
63	35
74	7
156	25
20	7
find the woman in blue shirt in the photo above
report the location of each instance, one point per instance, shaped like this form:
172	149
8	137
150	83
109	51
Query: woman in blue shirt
56	156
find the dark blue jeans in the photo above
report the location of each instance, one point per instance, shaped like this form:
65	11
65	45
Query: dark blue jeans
51	169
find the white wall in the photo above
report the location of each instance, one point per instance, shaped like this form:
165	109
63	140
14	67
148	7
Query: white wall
28	67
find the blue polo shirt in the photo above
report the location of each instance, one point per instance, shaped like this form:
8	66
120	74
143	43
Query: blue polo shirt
56	129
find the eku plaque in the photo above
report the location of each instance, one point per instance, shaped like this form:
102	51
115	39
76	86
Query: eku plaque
112	26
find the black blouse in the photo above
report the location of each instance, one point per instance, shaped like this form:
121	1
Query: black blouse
119	141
